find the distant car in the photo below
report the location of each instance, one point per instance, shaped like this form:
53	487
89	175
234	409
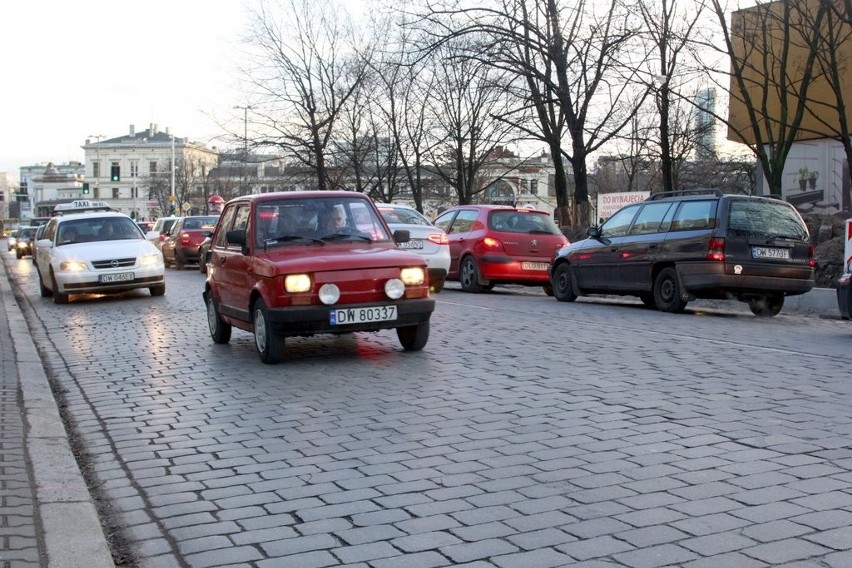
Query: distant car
161	228
499	244
678	246
24	241
146	226
203	250
301	263
12	240
38	235
89	248
180	247
844	292
426	240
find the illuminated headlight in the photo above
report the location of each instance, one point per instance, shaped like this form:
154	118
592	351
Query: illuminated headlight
21	244
394	288
73	266
329	294
297	283
413	276
151	260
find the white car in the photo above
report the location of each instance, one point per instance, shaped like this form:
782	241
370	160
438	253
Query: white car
160	231
426	240
88	248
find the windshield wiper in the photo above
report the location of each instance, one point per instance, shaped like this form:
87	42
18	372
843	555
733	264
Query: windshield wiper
341	236
283	239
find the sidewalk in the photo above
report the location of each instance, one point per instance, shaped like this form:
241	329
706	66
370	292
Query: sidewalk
47	516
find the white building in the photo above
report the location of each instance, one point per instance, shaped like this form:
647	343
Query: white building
48	183
134	172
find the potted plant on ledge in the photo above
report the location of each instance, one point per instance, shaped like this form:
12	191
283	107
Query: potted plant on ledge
803	178
812	178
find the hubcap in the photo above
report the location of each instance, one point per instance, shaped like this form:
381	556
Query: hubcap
259	330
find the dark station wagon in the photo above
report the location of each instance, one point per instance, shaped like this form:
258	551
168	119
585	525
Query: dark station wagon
302	263
678	246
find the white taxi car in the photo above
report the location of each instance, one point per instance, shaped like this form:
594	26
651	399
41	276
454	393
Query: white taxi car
89	248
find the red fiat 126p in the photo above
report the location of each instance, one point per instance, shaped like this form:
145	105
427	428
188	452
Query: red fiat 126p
301	263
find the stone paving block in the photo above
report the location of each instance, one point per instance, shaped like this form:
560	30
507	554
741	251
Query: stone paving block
365	552
203	544
469	552
775	530
227	557
596	527
785	551
429	559
653	556
837	539
541	558
595	547
651	536
731	560
543	538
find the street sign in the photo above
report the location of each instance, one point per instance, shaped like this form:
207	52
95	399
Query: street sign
186	206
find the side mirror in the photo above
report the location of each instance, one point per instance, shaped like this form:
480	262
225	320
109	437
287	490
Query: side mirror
402	235
44	243
594	232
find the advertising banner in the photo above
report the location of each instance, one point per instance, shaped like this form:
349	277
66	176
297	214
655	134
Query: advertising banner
609	203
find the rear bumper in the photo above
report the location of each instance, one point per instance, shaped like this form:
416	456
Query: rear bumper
710	280
510	270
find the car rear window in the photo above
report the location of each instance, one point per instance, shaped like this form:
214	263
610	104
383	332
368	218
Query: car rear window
511	221
764	219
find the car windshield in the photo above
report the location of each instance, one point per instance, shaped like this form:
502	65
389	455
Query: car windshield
519	221
765	219
317	220
27	233
95	229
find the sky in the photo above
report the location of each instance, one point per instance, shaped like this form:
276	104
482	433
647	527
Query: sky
77	69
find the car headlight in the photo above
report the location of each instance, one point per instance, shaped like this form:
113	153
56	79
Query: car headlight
394	288
295	283
73	266
329	294
413	276
151	260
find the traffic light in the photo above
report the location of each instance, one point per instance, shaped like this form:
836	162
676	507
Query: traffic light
85	188
115	172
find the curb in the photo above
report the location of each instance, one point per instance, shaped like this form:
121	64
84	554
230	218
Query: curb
71	529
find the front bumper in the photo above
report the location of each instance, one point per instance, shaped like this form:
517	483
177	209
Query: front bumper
310	320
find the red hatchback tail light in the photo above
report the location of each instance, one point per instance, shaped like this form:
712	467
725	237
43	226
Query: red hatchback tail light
184	238
716	250
811	259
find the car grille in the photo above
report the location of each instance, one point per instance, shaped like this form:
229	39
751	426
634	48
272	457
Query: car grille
114	263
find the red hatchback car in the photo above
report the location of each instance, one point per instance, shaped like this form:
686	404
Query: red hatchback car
300	263
498	244
180	247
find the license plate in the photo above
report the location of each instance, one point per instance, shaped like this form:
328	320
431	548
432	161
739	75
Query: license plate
411	245
120	277
534	265
362	315
770	252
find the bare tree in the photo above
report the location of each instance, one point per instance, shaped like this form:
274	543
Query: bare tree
772	59
309	66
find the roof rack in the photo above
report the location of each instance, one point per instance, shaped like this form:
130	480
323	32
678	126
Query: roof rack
81	206
681	192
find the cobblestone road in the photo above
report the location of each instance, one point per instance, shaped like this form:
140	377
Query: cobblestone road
528	433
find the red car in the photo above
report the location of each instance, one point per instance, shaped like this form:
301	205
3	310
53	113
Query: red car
180	247
499	244
300	263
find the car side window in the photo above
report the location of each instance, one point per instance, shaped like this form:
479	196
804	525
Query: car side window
224	227
241	219
443	221
463	221
694	215
617	225
650	219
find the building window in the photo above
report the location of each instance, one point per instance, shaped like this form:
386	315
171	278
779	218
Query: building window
134	169
534	186
96	170
152	168
115	193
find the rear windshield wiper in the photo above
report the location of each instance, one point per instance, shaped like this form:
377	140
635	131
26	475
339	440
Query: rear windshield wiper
777	236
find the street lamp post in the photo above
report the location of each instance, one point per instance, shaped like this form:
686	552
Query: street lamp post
97	138
245	144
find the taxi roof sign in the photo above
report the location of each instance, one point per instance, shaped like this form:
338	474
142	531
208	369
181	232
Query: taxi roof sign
81	206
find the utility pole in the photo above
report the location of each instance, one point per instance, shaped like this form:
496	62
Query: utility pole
97	138
245	146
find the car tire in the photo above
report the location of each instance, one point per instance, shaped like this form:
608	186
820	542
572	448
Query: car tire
19	254
767	306
42	289
435	286
219	330
469	276
563	283
414	337
157	290
668	295
179	263
58	297
202	266
647	299
548	289
269	345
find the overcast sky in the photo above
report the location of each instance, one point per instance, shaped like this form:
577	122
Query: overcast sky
74	69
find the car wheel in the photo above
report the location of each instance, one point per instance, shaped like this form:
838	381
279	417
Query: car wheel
548	289
469	276
179	264
19	254
647	299
767	306
202	266
157	290
58	297
563	283
43	290
435	286
269	345
668	296
413	338
219	330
